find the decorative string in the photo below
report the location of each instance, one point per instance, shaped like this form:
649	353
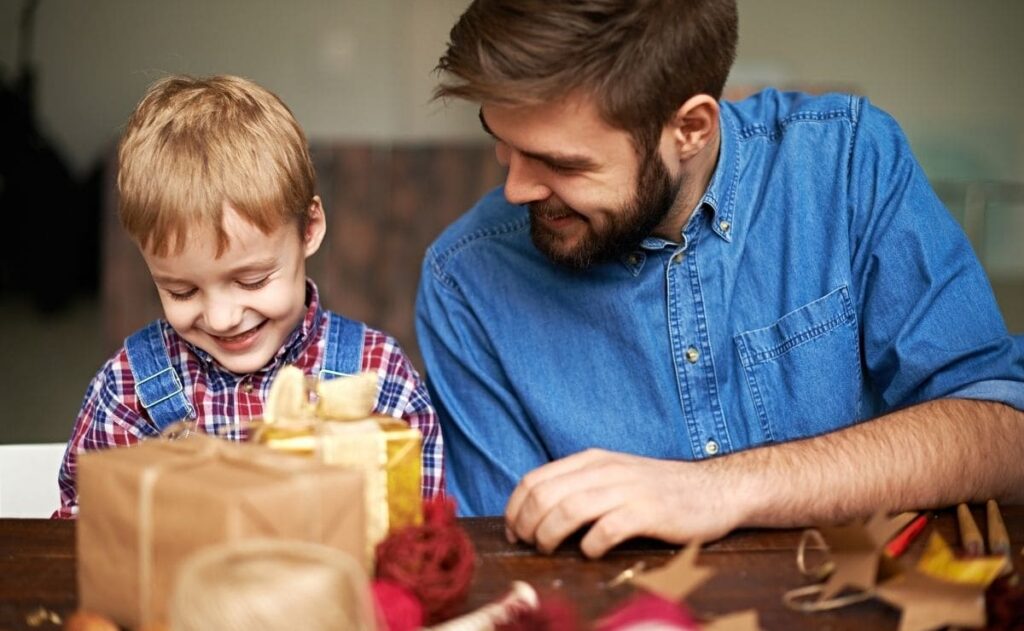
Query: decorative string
800	598
827	566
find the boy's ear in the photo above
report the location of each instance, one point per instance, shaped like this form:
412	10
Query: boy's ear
316	227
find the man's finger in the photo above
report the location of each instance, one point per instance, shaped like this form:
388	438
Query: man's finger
611	529
544	473
577	510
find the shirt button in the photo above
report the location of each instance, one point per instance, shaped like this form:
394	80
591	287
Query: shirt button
724	226
247	387
678	258
692	355
711	448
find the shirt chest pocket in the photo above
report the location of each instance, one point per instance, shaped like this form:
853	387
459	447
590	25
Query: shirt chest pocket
803	372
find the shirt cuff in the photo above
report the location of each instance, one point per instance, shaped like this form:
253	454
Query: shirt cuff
999	390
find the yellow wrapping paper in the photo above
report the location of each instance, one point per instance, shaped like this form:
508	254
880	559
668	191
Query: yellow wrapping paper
144	509
385	449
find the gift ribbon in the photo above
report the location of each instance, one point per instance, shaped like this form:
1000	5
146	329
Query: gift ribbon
203	450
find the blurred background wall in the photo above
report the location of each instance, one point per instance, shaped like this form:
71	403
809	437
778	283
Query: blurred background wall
357	75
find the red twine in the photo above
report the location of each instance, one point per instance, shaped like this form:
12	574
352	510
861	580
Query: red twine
648	608
397	609
434	562
553	613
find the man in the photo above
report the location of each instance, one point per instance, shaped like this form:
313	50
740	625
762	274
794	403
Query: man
675	316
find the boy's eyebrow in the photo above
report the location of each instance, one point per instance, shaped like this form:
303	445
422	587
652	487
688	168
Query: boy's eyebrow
261	265
571	161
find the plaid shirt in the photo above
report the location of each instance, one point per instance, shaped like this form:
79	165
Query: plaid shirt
112	416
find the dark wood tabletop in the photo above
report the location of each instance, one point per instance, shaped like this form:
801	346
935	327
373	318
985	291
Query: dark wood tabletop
753	569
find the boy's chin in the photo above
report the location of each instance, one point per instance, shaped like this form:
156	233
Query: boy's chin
240	363
242	366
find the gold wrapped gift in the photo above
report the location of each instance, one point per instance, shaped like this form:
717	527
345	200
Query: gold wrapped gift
385	449
144	509
340	429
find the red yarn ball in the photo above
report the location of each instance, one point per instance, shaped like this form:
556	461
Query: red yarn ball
397	609
434	561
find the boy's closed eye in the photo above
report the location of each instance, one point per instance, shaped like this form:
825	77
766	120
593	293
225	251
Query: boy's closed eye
181	294
250	285
253	285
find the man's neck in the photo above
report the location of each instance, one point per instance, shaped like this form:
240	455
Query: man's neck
694	180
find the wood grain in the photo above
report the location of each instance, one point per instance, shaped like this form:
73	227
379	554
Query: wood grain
754	568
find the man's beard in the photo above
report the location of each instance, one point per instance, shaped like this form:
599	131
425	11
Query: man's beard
628	226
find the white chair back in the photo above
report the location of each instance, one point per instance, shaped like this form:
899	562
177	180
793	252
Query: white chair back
28	479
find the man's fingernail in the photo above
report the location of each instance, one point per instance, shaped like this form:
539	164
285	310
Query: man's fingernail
509	535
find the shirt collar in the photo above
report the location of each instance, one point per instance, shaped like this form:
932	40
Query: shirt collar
304	334
720	196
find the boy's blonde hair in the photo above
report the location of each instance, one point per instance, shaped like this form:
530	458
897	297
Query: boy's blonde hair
193	144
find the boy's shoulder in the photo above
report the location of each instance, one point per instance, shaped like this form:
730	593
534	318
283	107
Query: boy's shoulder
373	341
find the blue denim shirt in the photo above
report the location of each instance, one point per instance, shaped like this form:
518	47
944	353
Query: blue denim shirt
819	282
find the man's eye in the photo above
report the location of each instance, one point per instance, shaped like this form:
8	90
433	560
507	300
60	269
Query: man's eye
254	285
181	295
555	167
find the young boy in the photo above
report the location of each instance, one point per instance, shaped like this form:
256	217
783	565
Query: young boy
217	189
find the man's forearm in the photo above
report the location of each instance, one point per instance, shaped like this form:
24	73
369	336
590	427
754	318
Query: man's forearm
933	454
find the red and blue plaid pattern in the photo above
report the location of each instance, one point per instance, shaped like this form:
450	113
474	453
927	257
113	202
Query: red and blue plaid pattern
111	415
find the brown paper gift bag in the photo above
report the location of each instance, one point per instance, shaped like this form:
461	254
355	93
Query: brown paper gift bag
144	509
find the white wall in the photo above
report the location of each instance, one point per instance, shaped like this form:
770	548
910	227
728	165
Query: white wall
949	70
348	69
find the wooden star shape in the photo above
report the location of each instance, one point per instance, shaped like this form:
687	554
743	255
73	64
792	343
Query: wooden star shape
738	621
856	550
930	603
677	578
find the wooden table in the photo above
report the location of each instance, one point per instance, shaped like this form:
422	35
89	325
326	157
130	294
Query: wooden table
754	568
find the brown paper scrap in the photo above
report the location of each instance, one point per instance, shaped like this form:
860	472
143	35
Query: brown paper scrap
856	550
738	621
677	578
931	603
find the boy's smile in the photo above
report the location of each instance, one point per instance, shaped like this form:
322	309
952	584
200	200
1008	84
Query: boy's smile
240	306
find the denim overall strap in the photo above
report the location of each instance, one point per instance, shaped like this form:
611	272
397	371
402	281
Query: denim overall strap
156	383
343	353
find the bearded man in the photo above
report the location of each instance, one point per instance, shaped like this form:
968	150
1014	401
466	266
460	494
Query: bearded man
680	316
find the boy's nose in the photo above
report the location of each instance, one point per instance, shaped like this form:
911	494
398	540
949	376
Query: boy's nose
223	316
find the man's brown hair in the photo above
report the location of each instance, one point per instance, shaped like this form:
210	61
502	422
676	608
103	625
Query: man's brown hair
640	59
193	144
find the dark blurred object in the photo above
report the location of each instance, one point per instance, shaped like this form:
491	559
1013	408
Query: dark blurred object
49	248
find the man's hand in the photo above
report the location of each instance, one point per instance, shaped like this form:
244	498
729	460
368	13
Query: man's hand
929	455
623	496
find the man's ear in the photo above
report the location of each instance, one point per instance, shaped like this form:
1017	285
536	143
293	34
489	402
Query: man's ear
316	227
693	126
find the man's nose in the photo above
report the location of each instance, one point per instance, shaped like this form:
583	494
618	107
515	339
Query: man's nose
522	184
222	314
